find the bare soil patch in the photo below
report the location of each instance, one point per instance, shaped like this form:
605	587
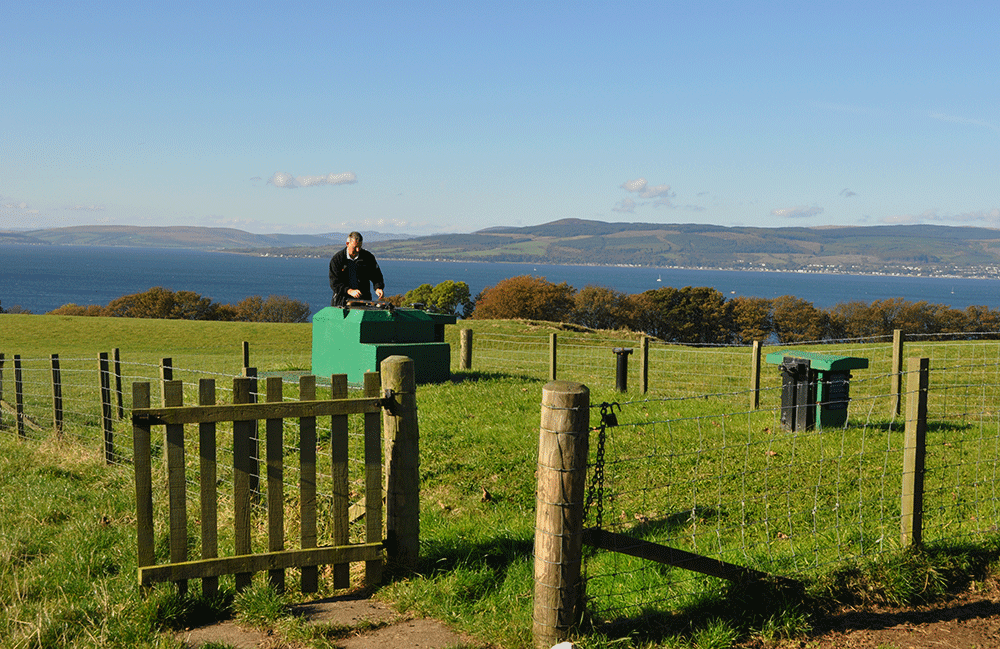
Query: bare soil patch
373	626
967	620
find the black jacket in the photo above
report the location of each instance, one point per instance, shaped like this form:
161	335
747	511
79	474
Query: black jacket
340	278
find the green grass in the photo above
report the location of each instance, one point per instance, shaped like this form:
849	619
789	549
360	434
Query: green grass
704	474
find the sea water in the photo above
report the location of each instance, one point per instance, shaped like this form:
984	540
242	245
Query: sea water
42	278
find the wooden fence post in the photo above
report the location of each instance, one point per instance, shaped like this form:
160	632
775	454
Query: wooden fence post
116	355
173	395
57	404
644	364
465	349
246	357
18	396
274	440
563	443
402	463
1	389
106	416
309	576
142	464
553	352
208	467
896	373
755	376
914	450
340	478
242	432
373	478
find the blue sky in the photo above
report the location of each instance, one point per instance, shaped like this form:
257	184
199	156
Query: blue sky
431	117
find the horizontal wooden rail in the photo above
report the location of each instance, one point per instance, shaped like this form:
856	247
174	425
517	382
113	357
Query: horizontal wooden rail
253	411
261	562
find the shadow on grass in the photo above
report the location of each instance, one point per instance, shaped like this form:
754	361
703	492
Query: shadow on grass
903	580
495	554
474	376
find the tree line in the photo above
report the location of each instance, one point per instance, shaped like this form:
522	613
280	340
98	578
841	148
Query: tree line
704	315
682	315
159	302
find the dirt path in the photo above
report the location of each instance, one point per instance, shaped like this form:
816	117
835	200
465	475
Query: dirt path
374	625
969	620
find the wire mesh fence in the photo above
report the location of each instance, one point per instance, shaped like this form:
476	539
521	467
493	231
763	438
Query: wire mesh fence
33	395
714	478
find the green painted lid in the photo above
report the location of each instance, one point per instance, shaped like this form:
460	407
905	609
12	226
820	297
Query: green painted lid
817	361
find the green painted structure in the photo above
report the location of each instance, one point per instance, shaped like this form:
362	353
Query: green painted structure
811	380
355	340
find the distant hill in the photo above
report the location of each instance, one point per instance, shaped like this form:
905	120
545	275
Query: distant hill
895	249
176	237
898	249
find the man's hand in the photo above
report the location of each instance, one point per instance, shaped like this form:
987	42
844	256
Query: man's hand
379	292
353	292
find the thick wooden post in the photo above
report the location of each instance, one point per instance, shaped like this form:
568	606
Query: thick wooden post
339	476
914	452
274	442
173	395
563	443
57	401
309	579
208	467
896	373
246	357
142	464
242	432
755	376
402	463
553	353
465	349
644	364
106	412
18	396
373	478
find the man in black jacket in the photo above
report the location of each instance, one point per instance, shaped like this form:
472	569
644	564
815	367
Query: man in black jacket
352	270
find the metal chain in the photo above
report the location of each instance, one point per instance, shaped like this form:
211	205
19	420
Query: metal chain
596	490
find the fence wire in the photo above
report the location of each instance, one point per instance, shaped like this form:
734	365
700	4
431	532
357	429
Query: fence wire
82	425
697	474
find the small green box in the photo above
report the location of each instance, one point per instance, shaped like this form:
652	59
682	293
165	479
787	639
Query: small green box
355	340
830	374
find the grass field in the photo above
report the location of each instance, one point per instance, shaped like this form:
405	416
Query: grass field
704	473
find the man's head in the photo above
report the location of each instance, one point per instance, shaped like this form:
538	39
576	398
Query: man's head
354	241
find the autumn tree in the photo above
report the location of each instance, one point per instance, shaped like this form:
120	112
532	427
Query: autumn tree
157	302
527	297
598	307
752	319
276	308
447	297
76	309
692	315
797	320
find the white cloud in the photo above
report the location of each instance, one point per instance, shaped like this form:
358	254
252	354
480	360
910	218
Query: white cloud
798	212
87	208
626	205
847	193
656	191
287	181
634	185
966	121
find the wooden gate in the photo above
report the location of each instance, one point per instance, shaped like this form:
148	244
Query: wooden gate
244	415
